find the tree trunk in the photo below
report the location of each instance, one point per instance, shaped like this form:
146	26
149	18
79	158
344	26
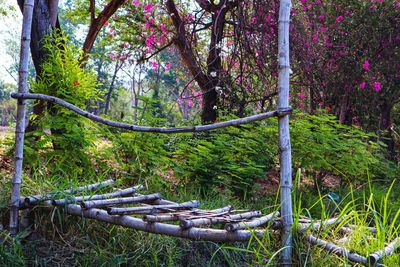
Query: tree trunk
385	128
44	21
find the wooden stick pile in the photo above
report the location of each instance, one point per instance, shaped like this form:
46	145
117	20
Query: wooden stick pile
156	214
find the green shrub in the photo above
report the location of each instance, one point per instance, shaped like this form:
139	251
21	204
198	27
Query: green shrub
231	158
321	143
71	134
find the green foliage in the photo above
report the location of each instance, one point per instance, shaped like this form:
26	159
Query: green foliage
321	143
142	155
231	158
11	253
63	77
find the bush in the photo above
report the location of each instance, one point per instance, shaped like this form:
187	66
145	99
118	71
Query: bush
231	158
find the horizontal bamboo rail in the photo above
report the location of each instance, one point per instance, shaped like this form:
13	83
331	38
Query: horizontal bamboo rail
215	235
37	198
118	193
119	201
186	215
153	208
251	224
137	128
205	221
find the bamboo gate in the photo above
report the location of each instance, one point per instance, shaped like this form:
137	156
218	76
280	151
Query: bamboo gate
151	213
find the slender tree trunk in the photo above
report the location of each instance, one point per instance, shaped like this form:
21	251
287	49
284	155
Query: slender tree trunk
118	66
385	129
43	22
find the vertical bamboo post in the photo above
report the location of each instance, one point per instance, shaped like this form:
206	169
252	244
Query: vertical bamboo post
284	133
20	124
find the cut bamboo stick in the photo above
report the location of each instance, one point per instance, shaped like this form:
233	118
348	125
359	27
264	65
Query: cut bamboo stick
185	224
137	128
118	201
36	198
375	257
181	216
21	114
318	225
118	193
153	208
251	224
332	248
214	235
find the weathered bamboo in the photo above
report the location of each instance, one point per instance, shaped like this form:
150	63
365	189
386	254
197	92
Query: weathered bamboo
118	201
284	133
215	235
332	248
153	208
375	257
21	113
37	198
185	224
319	225
251	224
118	193
182	216
200	128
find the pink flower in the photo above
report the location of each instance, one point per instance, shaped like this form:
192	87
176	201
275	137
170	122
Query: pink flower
168	67
366	65
362	85
106	23
154	65
178	101
339	19
190	103
112	56
148	8
377	86
135	3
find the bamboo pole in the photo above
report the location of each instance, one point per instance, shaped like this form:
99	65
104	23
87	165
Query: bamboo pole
153	208
118	193
319	225
215	235
21	113
284	133
118	201
136	128
185	215
332	248
42	197
185	224
251	224
375	257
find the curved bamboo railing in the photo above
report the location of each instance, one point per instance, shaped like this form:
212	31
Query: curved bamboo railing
137	128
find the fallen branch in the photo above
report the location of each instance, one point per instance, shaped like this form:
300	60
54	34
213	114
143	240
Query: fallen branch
318	225
185	224
136	128
215	235
118	201
251	224
118	193
153	208
375	257
37	198
332	248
